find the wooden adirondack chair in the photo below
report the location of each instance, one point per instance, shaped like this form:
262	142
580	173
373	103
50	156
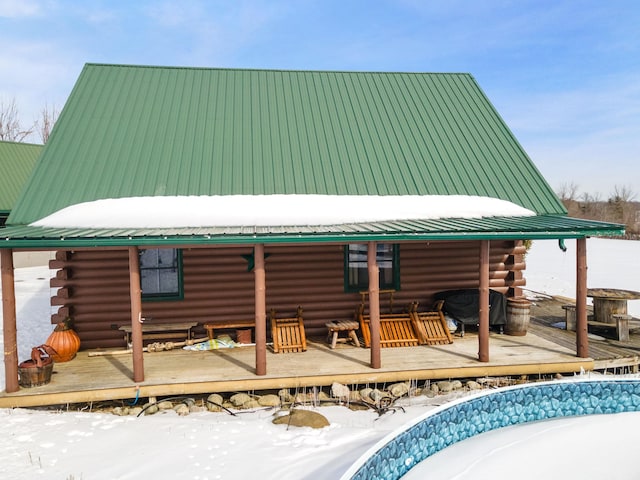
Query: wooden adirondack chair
288	333
431	326
396	329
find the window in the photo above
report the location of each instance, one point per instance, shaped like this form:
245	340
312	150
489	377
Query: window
356	271
161	273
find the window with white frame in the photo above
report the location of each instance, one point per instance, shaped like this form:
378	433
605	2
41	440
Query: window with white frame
161	273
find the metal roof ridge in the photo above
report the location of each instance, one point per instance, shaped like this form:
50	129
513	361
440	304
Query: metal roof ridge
282	70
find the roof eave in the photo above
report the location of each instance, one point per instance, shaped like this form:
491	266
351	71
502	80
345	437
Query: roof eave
34	237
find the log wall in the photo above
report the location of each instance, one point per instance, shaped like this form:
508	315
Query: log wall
93	285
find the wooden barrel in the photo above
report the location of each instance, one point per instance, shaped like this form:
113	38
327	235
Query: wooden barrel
30	375
518	314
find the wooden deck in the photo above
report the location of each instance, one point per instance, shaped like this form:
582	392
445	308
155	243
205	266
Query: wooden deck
607	352
544	350
180	372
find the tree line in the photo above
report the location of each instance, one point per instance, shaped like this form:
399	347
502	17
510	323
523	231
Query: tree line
620	206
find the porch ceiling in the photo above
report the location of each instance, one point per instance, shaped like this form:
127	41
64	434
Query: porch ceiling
536	227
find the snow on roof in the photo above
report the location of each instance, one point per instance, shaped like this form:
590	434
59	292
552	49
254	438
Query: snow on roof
272	210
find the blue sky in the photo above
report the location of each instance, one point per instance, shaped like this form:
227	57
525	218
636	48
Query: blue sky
565	75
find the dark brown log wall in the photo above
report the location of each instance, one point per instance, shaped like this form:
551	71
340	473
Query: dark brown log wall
93	285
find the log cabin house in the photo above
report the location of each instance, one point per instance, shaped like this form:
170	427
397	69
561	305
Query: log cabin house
131	132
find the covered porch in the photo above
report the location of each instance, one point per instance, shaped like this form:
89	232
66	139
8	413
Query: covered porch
90	377
150	374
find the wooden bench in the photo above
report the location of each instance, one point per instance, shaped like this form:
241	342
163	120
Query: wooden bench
621	326
211	327
157	331
621	322
338	326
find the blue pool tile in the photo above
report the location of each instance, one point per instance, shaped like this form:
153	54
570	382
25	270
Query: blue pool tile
493	410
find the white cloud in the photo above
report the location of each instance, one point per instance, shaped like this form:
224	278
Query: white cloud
40	74
214	33
19	8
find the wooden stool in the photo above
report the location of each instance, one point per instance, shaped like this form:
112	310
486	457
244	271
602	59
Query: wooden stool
343	326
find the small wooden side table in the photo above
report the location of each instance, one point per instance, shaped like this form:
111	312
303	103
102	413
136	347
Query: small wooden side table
338	326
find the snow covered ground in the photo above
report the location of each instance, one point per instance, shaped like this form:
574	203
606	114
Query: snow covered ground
67	445
610	264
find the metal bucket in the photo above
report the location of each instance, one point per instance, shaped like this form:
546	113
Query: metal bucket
518	315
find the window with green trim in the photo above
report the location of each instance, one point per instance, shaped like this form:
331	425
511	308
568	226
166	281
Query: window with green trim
356	277
161	274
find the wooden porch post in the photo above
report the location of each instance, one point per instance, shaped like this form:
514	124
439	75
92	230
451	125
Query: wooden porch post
9	328
374	303
483	313
135	292
582	339
261	310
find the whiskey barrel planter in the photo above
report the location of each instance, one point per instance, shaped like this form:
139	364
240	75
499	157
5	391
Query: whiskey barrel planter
36	371
31	375
518	315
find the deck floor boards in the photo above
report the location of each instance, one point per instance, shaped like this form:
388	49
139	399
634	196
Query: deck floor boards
179	371
544	350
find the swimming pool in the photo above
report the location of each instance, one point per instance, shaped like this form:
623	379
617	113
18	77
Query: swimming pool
396	454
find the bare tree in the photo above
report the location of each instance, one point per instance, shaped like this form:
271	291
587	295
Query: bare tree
10	128
621	207
48	118
622	193
593	207
568	192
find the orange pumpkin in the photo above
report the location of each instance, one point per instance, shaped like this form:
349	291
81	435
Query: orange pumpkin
65	341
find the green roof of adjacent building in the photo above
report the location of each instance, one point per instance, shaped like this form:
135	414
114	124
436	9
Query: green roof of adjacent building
130	131
16	163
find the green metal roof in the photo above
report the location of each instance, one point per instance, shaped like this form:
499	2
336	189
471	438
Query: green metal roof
16	163
154	131
538	227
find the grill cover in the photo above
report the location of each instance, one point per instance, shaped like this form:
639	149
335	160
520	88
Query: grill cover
463	305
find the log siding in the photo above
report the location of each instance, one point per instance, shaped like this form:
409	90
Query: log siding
93	285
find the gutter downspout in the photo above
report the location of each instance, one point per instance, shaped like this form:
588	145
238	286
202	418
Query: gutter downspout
562	245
